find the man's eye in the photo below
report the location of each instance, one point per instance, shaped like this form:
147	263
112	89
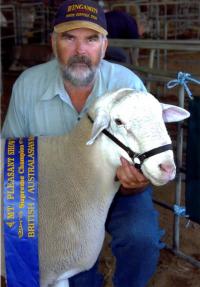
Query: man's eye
93	39
67	37
70	38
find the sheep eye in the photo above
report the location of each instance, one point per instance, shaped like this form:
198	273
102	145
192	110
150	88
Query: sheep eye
118	122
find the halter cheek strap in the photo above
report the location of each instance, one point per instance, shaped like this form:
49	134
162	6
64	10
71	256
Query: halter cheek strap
136	158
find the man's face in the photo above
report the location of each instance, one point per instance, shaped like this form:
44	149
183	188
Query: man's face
79	53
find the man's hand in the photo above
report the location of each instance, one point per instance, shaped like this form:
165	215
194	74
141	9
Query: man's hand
131	179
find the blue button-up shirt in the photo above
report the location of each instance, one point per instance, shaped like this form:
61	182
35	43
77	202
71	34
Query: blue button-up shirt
40	104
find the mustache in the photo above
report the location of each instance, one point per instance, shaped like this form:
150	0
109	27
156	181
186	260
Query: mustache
81	60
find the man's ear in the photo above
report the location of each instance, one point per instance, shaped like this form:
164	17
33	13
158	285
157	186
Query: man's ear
104	48
53	44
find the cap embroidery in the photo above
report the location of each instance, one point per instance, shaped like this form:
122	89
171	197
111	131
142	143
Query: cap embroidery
80	14
72	8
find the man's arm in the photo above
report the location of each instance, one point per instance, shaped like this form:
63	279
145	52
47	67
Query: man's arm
14	124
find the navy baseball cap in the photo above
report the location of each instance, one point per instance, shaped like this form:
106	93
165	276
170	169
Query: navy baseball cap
80	14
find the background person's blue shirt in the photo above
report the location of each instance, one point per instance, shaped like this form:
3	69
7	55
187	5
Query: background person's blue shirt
40	104
121	25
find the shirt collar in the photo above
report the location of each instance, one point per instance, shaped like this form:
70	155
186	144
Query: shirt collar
56	88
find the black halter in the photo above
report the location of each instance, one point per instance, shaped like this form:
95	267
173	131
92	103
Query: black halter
137	158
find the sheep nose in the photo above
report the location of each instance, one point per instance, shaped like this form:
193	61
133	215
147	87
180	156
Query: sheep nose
167	168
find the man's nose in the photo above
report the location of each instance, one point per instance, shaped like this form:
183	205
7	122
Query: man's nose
80	47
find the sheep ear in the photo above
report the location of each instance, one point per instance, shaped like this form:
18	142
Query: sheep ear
102	121
173	113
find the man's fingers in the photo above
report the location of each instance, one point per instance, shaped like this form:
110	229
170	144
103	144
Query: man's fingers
130	172
129	176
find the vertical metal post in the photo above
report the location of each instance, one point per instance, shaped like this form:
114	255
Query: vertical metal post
150	65
179	154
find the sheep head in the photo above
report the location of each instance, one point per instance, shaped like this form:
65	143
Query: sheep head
137	119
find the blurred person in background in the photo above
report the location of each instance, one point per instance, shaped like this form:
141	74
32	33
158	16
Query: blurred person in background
120	25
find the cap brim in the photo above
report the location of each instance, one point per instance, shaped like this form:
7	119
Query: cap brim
71	25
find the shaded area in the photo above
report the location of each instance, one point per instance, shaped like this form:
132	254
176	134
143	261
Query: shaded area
193	161
172	270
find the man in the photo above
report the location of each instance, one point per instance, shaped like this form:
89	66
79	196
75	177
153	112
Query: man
51	98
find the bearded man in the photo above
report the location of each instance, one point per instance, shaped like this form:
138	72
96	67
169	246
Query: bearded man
51	98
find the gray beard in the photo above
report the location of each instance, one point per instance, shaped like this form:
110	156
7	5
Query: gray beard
79	76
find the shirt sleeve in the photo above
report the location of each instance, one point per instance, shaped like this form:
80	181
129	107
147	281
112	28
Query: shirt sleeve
14	124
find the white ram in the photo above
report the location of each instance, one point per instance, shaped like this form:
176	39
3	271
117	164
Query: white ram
76	181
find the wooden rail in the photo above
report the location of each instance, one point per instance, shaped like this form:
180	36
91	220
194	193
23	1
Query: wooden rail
176	45
154	47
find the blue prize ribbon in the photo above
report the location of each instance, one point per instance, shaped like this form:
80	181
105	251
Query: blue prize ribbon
21	212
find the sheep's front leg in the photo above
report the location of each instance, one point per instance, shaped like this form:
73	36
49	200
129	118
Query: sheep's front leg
62	280
62	283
